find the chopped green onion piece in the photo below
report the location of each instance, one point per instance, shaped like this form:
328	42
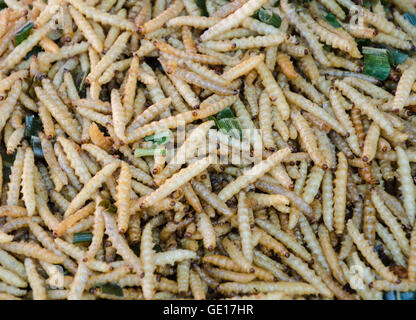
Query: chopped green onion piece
396	56
109	207
35	50
213	119
36	146
23	33
226	113
385	2
112	288
202	7
160	137
82	237
411	18
327	47
330	18
230	126
140	152
33	125
410	295
2	5
268	17
376	63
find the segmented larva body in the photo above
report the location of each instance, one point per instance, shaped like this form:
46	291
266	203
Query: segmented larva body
391	244
36	282
412	257
330	254
371	143
340	193
313	183
391	222
382	24
333	6
365	106
404	87
265	121
407	184
28	186
291	288
123	197
253	174
244	226
393	41
369	254
196	286
147	257
233	19
275	92
344	120
308	138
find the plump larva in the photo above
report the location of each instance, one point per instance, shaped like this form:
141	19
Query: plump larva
208	149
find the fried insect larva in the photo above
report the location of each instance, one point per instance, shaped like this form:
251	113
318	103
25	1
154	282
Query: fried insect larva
15	139
11	263
197	22
61	228
36	282
75	159
183	271
147	258
196	285
371	142
242	68
109	57
173	10
369	254
119	116
13	192
246	43
64	163
20	51
333	7
236	255
330	38
176	181
284	238
290	288
275	93
9	104
283	60
308	138
121	245
7	289
391	244
404	88
265	121
340	193
406	184
384	285
344	120
232	20
12	278
404	23
184	117
315	110
87	30
91	187
98	232
98	138
195	79
390	221
253	174
330	255
412	257
365	106
393	41
211	198
102	16
28	187
32	250
369	88
58	176
79	283
244	226
49	98
173	256
123	197
313	183
327	200
172	93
